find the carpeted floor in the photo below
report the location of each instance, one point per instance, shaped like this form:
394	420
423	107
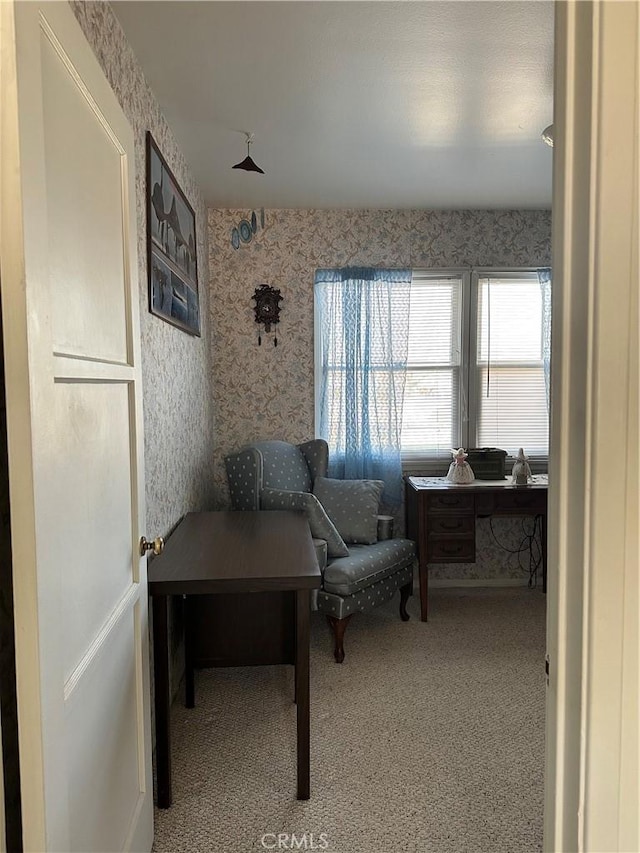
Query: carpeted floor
430	737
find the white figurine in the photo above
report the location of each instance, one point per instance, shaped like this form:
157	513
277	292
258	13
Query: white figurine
460	471
521	473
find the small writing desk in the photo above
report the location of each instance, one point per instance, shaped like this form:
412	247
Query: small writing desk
441	518
233	552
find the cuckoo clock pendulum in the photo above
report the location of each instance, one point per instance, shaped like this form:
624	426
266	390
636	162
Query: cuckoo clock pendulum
267	310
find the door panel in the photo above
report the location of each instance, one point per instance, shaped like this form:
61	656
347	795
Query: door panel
84	184
105	775
90	466
72	363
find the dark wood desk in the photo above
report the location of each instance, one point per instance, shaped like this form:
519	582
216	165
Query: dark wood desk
441	518
233	552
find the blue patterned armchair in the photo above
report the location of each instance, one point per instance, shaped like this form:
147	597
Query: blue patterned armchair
358	572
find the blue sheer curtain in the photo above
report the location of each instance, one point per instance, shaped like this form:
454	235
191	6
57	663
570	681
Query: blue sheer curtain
544	277
363	324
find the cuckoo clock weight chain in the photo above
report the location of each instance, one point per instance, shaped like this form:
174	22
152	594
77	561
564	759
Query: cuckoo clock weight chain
267	310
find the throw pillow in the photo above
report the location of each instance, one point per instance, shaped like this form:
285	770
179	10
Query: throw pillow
352	505
321	525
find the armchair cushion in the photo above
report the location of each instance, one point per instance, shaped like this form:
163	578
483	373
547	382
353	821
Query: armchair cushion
321	525
366	565
352	505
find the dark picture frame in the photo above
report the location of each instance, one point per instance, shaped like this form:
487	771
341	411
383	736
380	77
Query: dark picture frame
172	255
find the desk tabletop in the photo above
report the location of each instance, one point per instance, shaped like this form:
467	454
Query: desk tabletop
539	481
236	552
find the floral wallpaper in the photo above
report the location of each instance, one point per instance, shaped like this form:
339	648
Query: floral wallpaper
176	367
263	392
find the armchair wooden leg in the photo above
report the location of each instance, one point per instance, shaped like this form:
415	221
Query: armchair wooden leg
338	626
405	592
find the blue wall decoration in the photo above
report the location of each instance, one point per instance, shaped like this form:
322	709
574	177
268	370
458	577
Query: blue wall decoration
246	229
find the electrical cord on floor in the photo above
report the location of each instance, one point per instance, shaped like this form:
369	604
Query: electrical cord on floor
530	545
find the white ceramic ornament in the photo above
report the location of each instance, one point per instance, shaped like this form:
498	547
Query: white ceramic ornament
521	473
460	472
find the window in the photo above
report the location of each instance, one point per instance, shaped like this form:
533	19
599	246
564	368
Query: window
433	399
476	371
510	384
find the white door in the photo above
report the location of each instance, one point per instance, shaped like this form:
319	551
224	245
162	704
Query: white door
72	353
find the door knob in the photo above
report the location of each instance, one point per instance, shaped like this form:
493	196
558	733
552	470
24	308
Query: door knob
157	546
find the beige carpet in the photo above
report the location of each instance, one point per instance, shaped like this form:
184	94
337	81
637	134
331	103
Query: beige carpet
430	737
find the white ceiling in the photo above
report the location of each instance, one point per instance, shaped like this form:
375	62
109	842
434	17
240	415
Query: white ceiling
355	104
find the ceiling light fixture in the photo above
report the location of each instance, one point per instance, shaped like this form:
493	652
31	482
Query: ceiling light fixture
547	135
247	164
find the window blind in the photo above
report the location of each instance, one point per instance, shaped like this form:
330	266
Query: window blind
432	396
509	372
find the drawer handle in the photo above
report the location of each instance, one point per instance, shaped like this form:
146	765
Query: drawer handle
451	549
451	525
449	501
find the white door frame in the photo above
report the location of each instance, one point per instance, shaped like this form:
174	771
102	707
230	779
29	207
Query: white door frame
591	779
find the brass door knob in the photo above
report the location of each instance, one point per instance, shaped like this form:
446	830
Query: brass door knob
157	546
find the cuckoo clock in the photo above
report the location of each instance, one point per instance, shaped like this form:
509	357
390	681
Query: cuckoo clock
267	309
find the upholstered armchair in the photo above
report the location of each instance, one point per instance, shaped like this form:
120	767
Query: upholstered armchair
361	564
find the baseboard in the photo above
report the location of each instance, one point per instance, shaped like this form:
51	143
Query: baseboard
437	583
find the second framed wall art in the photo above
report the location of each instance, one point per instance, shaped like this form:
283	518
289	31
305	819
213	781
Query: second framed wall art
171	240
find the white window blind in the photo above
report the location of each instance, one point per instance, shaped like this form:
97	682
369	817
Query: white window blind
510	392
432	395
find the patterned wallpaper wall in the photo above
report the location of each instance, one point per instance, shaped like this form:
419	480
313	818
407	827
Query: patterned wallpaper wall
176	367
263	392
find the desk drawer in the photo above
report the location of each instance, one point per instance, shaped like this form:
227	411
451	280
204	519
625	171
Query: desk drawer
532	501
450	501
451	524
461	550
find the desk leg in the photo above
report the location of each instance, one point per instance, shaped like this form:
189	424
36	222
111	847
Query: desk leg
424	590
295	654
423	566
303	607
189	683
162	698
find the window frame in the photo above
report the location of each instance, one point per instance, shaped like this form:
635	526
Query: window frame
431	464
425	463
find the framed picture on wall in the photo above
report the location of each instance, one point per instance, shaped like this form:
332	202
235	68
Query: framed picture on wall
171	239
